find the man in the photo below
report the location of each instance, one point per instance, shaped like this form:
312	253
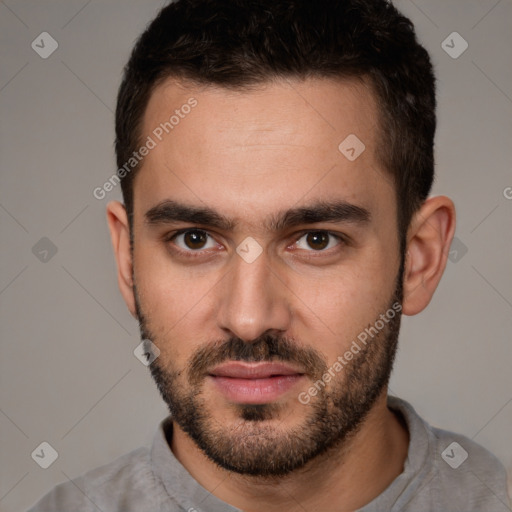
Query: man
276	161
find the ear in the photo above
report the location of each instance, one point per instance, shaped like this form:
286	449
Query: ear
117	219
429	238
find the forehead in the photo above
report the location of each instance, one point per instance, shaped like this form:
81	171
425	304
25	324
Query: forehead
275	144
287	110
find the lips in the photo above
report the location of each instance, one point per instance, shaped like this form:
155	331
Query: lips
254	383
239	370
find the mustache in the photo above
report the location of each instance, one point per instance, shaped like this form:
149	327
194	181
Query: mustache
264	348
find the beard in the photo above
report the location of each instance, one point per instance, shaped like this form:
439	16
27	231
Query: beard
257	444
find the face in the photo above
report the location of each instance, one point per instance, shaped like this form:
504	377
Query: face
266	267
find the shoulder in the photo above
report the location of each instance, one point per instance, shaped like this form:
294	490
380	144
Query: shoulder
458	451
469	471
455	473
124	480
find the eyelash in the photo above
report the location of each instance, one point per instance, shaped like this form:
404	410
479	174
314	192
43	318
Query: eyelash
200	252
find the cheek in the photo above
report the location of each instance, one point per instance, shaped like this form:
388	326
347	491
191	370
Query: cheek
171	299
350	299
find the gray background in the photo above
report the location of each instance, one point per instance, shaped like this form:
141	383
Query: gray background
68	373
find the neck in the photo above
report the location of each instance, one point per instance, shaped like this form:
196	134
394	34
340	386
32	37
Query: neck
345	478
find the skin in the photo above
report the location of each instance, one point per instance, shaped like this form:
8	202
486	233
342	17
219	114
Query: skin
248	155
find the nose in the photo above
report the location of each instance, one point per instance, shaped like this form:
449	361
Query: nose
253	300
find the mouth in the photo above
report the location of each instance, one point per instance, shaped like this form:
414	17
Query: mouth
254	383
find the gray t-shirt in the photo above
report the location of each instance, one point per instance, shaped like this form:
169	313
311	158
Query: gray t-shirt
443	472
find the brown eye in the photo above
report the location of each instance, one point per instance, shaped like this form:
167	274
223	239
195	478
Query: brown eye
195	239
192	240
318	241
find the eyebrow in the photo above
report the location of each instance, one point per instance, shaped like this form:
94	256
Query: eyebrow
170	211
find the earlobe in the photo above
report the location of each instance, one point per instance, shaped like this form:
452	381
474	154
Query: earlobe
117	220
429	238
